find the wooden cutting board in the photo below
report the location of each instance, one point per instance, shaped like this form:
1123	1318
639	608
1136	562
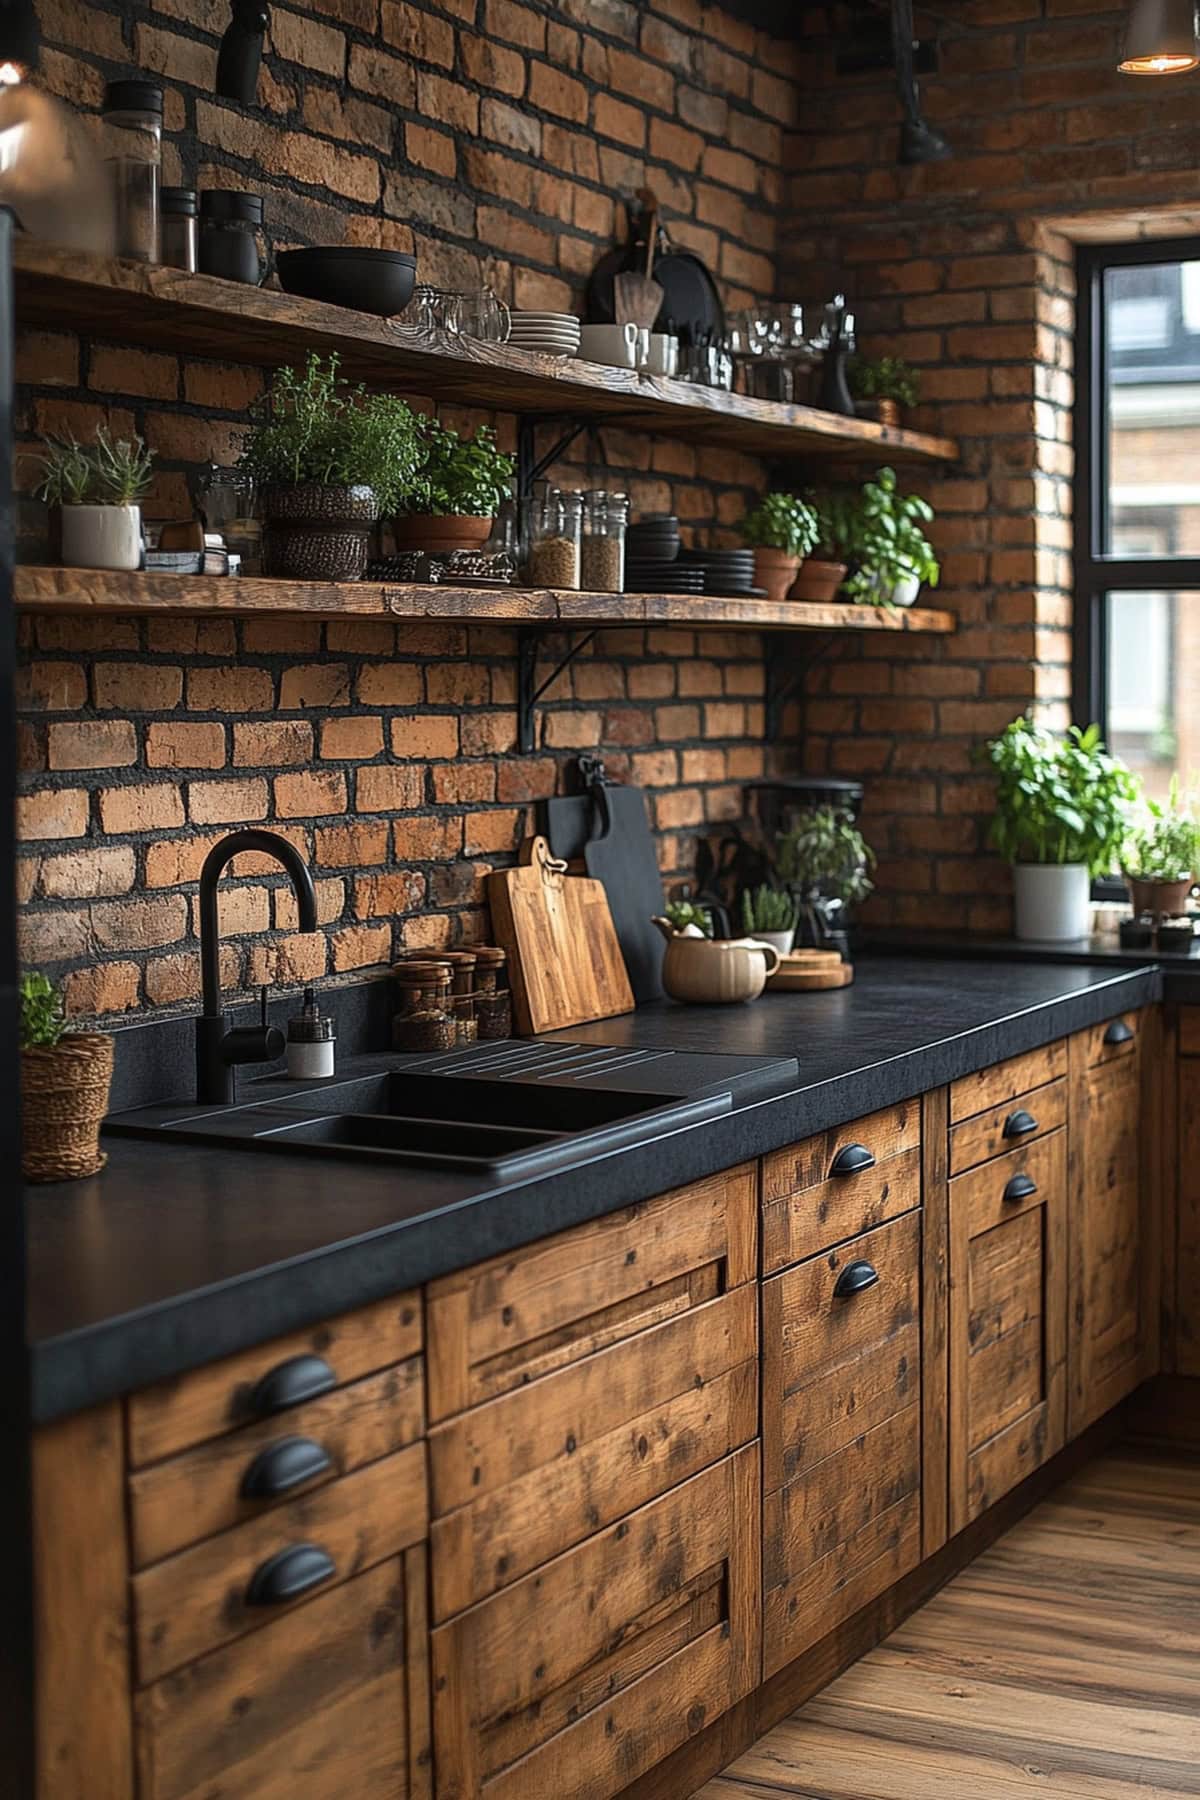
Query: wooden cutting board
805	971
565	964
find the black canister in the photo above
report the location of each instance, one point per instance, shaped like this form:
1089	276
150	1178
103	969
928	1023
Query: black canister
232	245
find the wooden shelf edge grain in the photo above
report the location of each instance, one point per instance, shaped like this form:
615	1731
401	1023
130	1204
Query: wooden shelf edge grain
197	315
38	589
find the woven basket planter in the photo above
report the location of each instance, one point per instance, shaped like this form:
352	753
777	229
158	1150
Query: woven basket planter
64	1096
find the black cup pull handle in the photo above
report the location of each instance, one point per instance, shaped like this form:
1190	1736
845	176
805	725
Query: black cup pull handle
282	1466
1118	1033
290	1384
289	1574
1019	1123
853	1159
855	1278
1021	1187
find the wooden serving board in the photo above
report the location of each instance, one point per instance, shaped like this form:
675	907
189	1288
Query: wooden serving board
565	964
804	971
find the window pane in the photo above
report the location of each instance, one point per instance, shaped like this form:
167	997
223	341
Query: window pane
1152	653
1152	332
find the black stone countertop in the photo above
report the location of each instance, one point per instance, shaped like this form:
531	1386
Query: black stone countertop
178	1254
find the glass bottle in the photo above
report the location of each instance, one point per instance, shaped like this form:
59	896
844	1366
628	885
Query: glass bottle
180	232
551	529
133	116
232	244
602	551
423	1019
493	1002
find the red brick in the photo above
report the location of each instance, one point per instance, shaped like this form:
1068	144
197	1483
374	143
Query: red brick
361	946
314	686
108	744
309	795
109	987
553	92
427	736
389	788
84	874
352	845
464	782
488	832
234	690
382	896
51	687
270	743
431	150
351	739
136	687
300	958
493	66
140	924
226	802
388	684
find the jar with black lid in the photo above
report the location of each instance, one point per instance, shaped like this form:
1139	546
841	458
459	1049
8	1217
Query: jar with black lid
133	117
232	243
180	231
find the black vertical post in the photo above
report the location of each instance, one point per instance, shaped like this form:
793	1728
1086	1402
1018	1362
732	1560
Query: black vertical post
16	1568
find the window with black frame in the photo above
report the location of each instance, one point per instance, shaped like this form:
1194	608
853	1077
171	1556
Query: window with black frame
1137	536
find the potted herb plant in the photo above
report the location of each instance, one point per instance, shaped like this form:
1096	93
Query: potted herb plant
98	489
1063	807
884	387
459	488
329	460
826	862
821	575
783	530
65	1080
1161	856
891	557
769	914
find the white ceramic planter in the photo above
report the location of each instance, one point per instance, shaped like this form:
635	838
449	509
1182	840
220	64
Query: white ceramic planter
102	537
1053	901
780	941
903	593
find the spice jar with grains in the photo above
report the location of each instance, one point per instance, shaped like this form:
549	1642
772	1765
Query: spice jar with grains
551	526
462	993
133	118
493	1003
423	1019
602	549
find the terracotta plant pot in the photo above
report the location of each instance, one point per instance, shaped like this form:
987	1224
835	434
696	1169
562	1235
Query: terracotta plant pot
440	533
818	581
884	412
64	1096
316	533
1164	899
774	570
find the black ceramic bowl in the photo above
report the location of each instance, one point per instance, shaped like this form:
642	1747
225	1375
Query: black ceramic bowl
372	281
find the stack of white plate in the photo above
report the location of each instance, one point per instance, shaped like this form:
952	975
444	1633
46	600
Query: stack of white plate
551	333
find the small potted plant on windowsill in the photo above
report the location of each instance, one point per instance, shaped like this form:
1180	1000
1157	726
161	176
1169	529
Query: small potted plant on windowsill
459	488
826	863
98	490
783	529
1063	808
1161	856
329	461
65	1080
769	914
883	387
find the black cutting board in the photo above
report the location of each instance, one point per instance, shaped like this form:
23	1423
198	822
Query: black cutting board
608	827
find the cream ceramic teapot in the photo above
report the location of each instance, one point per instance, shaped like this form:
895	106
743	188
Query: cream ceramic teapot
706	970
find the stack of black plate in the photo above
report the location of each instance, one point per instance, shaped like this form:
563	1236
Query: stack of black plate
651	552
725	571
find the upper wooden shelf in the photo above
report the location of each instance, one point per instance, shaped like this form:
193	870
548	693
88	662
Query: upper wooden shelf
48	590
197	315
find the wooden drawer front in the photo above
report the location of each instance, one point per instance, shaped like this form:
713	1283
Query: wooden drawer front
807	1206
839	1535
331	1701
187	1498
1115	1040
503	1323
834	1367
1189	1031
196	1601
1186	1295
1107	1247
1003	1082
523	1477
1003	1127
1008	1317
577	1679
174	1415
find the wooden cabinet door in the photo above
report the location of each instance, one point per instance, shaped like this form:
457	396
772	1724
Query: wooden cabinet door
1186	1259
1008	1322
1113	1263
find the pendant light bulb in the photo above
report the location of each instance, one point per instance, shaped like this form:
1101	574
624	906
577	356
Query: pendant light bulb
1162	38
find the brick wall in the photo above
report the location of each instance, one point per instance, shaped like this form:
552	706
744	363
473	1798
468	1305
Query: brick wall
491	137
967	268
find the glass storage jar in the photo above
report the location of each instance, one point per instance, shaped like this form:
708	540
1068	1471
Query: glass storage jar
232	243
423	1019
493	1002
180	230
602	550
551	529
133	116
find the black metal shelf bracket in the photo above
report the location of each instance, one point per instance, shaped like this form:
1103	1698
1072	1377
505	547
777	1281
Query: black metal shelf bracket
529	641
787	673
530	466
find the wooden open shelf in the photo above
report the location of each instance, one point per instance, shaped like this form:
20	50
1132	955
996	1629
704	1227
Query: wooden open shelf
197	315
56	590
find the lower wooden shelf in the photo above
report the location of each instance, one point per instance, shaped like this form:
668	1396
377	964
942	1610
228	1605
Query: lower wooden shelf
56	590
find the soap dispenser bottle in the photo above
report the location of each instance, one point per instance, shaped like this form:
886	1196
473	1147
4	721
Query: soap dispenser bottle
310	1042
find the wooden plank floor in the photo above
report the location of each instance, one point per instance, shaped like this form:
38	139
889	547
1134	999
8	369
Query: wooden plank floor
1065	1662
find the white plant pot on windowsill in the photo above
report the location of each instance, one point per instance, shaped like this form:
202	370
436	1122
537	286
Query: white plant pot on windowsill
102	537
1053	901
